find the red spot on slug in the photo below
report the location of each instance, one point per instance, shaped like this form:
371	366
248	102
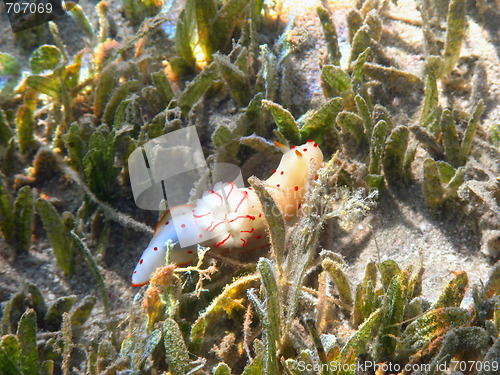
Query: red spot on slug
293	147
155	249
282	173
315	145
310	140
278	185
316	177
142	260
201	236
274	171
167	222
135	271
300	205
183	225
190	252
296	188
305	150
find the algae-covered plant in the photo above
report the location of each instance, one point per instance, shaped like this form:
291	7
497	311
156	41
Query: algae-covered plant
390	264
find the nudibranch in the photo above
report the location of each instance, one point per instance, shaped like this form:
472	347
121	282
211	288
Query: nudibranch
228	217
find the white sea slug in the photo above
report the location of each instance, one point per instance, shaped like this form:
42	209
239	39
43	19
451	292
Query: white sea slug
227	217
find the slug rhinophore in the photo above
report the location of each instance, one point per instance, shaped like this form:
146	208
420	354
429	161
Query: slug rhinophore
228	217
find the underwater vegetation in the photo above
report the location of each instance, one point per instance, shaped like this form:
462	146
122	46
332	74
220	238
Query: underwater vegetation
69	121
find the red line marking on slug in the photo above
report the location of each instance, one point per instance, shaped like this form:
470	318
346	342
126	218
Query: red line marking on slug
244	242
142	260
274	171
220	196
138	285
198	216
216	225
239	204
219	223
298	153
248	231
135	271
243	217
230	191
222	242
